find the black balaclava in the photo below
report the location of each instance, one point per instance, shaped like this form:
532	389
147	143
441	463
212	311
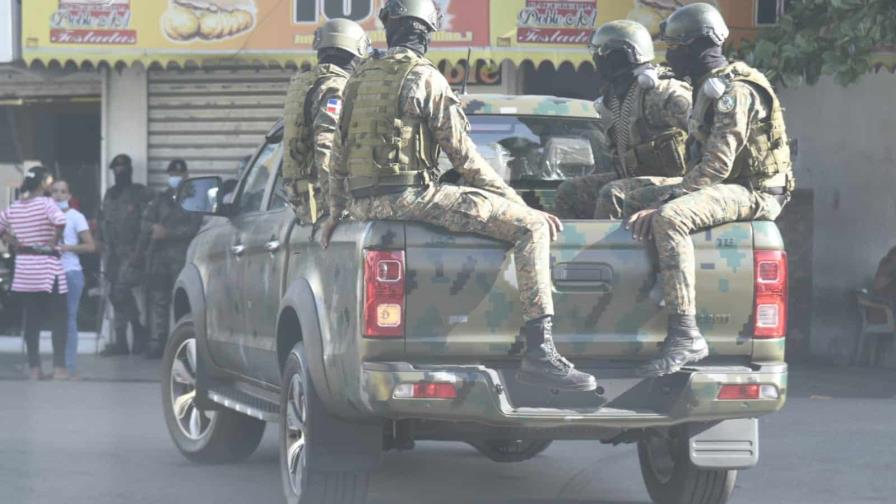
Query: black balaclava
408	32
615	73
339	57
124	176
696	59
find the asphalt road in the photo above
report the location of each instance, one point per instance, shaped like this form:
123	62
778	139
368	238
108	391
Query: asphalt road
102	442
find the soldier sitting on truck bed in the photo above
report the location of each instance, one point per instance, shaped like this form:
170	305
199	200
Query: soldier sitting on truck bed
311	115
741	170
646	112
399	110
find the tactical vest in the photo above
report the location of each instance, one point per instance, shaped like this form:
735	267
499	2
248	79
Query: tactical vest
298	125
660	153
384	151
764	162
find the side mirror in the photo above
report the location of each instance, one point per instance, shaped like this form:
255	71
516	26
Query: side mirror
200	195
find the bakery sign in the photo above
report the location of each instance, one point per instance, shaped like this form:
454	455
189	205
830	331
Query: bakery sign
556	22
102	22
186	31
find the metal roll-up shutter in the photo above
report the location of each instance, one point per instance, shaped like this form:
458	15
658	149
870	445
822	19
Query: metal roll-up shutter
42	84
212	118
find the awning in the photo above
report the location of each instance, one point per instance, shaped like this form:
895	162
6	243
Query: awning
184	33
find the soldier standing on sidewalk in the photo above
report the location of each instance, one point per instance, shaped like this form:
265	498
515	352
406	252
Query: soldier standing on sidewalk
122	209
165	235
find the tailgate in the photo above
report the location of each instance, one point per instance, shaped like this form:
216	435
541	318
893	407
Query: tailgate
463	302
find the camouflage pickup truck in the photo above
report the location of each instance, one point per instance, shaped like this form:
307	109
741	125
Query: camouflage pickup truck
401	332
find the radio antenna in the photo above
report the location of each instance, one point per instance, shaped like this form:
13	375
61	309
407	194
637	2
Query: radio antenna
463	90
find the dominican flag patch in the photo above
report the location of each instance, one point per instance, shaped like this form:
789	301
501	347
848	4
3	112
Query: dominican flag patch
334	106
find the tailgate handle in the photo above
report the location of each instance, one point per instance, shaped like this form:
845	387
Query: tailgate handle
598	276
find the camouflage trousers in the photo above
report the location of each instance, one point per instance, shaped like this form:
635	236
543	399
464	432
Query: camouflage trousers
469	210
121	295
674	222
159	285
577	198
624	197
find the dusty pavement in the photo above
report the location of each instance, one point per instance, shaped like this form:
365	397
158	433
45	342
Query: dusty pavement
102	440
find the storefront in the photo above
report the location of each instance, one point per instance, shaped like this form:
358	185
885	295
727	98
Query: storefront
203	80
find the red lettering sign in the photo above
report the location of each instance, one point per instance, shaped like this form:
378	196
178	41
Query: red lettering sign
556	21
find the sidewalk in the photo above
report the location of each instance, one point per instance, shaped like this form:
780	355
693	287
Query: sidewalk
91	367
87	343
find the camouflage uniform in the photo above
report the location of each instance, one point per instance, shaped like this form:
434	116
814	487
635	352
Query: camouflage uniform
486	205
164	258
311	119
743	173
119	228
637	127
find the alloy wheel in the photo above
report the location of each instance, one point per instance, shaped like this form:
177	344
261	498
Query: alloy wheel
193	422
296	408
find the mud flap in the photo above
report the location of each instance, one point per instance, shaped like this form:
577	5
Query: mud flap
729	444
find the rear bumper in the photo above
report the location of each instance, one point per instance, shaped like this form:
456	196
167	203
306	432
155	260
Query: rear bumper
491	397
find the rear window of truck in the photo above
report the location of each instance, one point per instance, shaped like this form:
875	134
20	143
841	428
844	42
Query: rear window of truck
535	149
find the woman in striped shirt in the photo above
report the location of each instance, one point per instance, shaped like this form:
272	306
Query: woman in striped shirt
33	226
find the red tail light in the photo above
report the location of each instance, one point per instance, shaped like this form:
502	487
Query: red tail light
770	307
384	294
425	390
739	392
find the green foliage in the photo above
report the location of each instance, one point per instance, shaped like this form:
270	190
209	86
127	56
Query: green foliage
823	37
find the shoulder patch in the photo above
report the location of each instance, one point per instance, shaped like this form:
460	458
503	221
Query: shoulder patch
714	87
334	106
726	103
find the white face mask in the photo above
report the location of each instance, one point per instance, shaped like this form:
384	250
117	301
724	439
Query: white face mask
63	205
174	181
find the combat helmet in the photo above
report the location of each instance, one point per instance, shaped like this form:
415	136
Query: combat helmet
693	21
423	10
629	36
342	34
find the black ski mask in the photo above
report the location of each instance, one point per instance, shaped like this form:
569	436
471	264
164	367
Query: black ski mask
408	32
695	59
339	57
615	73
123	169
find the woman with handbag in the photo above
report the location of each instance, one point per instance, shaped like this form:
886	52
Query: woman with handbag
33	226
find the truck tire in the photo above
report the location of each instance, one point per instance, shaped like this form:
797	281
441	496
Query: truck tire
201	436
511	450
671	477
302	414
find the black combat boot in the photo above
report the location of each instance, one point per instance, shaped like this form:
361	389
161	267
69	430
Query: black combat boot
141	335
154	349
543	365
683	345
119	346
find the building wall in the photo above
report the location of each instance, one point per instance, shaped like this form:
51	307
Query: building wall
125	119
847	156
